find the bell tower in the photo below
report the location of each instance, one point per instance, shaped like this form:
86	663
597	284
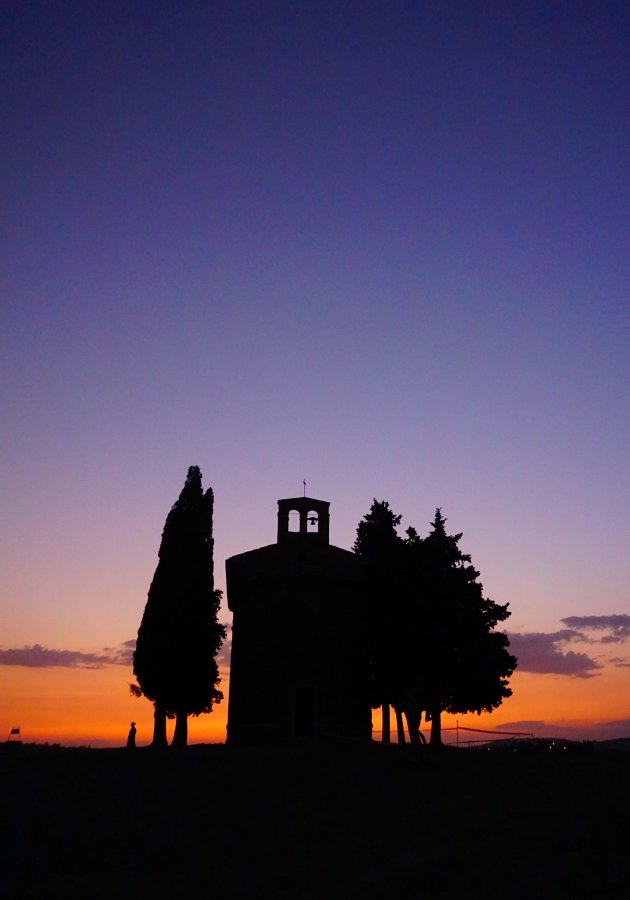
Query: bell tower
304	519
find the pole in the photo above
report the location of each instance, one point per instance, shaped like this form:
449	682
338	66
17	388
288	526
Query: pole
385	732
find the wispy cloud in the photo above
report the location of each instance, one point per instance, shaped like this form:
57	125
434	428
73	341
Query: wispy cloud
617	627
571	729
529	725
224	654
38	657
123	654
543	653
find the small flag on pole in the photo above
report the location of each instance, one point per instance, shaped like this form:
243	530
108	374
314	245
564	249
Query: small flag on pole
15	731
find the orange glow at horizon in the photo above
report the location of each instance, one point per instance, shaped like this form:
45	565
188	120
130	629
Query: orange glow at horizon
89	707
575	703
94	706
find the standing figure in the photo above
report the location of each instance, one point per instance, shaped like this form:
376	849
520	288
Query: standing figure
131	738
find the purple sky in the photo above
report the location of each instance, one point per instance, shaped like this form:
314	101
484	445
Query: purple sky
383	246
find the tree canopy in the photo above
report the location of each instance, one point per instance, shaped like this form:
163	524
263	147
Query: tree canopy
179	635
377	542
434	644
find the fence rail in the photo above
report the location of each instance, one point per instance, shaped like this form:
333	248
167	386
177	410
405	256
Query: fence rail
497	735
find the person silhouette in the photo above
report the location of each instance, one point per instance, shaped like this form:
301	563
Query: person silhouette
131	738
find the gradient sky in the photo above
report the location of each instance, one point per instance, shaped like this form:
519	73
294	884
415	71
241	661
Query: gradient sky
383	246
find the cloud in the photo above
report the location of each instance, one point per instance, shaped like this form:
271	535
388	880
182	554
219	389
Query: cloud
540	652
621	662
570	634
38	657
527	725
224	654
123	655
571	729
617	626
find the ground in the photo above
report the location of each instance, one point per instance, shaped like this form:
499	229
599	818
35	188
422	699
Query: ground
312	821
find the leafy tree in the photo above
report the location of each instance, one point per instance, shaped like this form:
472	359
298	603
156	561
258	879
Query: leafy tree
179	635
434	647
378	544
464	665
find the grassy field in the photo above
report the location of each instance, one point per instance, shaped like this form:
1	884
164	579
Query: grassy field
314	821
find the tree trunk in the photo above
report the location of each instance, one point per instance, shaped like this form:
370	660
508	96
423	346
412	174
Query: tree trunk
180	736
414	717
436	728
159	727
400	726
385	725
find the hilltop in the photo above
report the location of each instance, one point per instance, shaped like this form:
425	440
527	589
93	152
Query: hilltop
313	821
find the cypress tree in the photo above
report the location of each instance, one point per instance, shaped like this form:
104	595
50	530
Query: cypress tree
179	635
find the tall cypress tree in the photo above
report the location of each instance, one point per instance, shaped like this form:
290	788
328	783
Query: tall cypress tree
179	636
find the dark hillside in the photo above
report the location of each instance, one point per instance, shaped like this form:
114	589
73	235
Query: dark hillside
313	821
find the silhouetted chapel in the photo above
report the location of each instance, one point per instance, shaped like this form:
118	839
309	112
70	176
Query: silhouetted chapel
299	666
